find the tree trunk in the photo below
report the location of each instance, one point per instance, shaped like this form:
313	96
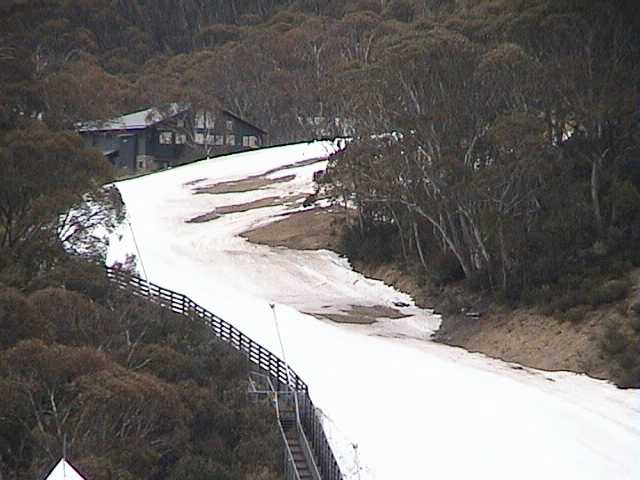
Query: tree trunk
595	198
402	242
503	257
418	246
455	249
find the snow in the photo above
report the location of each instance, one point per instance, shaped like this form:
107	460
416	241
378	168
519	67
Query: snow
64	471
396	404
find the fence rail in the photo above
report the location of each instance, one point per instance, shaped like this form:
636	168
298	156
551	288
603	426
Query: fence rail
275	367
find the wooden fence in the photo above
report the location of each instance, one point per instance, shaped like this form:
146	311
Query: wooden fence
256	353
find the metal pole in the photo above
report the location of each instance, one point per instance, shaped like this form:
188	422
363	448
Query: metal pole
135	244
284	359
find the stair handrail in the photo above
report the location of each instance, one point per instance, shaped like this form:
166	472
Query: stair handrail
288	453
270	363
306	447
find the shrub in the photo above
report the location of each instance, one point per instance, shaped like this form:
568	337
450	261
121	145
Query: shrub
449	305
610	292
19	320
613	342
537	296
445	268
575	315
373	244
629	378
568	300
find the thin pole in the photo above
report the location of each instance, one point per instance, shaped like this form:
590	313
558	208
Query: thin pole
135	243
284	359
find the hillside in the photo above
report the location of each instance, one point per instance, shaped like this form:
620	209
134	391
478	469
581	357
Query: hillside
126	389
364	348
492	173
578	339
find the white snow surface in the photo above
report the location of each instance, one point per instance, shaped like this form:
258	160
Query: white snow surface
64	471
396	404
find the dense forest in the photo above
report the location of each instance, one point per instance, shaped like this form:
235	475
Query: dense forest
126	389
503	144
494	142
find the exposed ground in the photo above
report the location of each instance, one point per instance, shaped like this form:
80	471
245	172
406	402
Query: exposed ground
316	229
360	314
243	185
248	184
244	207
524	336
313	229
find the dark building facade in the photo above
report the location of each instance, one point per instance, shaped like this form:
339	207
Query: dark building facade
157	138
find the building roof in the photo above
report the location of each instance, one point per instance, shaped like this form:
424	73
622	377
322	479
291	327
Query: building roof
231	114
146	118
134	121
64	471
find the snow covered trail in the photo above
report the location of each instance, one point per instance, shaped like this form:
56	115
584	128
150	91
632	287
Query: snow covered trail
416	409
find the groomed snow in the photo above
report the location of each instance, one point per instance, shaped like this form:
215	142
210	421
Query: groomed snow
397	405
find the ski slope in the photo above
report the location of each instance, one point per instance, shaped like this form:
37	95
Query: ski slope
397	405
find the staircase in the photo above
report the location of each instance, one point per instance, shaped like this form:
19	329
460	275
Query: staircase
289	426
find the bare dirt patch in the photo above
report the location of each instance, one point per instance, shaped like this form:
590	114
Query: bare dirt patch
527	337
302	163
245	207
244	185
194	182
254	182
360	314
305	230
522	335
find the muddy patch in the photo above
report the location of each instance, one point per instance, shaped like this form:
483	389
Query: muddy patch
194	182
245	207
244	185
361	314
314	229
254	182
302	163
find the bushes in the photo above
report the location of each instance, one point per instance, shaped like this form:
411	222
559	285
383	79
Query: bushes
621	344
575	315
19	320
114	361
444	269
573	294
610	292
613	342
374	243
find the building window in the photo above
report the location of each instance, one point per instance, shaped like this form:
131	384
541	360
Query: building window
166	138
180	123
231	140
211	139
181	138
211	120
200	120
219	139
229	124
199	138
249	141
